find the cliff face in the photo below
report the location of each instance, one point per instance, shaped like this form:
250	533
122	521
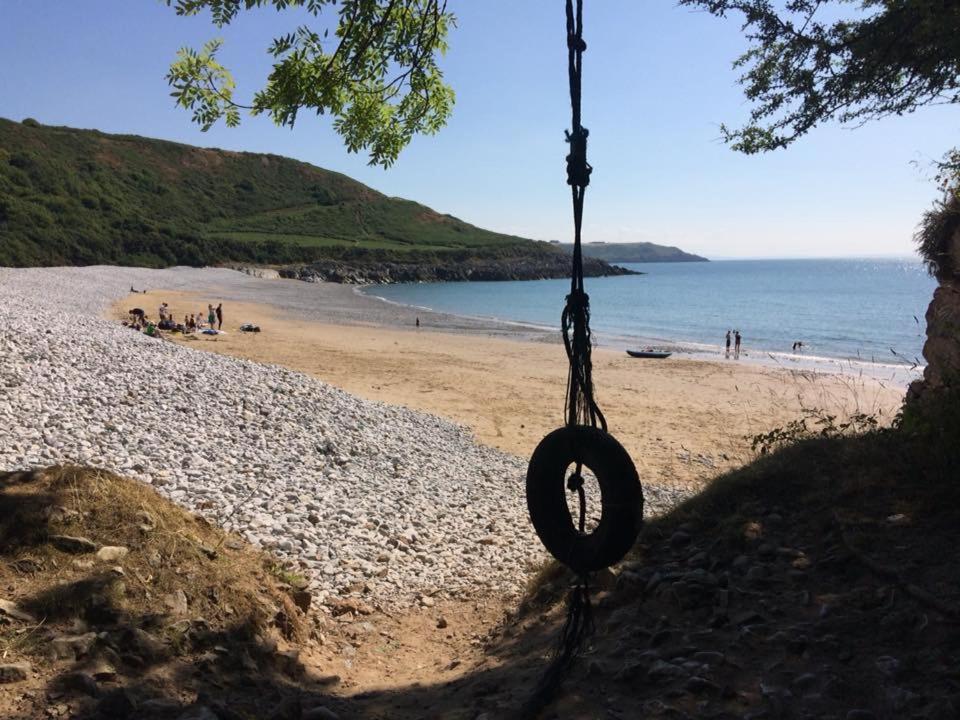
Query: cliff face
538	267
942	348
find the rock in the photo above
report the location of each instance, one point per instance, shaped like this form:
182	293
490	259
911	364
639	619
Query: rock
14	672
210	553
427	601
302	599
176	602
80	682
349	605
701	686
112	553
198	712
708	657
101	671
71	647
320	712
144	645
158	707
12	610
888	665
605	579
70	544
662	670
679	539
118	704
442	622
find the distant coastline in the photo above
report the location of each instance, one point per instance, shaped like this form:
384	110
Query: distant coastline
634	252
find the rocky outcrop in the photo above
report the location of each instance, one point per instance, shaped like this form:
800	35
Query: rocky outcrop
448	270
942	348
259	272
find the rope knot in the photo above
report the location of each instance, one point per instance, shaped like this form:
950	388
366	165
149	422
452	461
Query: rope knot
575	42
577	302
575	481
578	169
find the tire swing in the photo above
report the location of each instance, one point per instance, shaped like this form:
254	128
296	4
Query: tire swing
583	442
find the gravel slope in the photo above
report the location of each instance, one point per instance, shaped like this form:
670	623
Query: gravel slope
366	497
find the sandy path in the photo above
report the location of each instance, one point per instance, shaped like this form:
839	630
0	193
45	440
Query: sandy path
682	420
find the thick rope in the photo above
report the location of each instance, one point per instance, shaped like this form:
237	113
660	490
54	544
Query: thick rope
581	408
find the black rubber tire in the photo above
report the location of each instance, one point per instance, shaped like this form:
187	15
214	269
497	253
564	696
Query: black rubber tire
621	497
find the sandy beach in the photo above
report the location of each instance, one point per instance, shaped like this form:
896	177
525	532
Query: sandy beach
682	420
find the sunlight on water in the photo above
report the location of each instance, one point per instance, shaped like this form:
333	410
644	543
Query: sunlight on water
869	309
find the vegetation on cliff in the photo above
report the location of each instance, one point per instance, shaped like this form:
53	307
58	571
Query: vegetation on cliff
84	197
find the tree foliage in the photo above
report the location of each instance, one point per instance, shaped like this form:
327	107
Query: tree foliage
811	61
379	79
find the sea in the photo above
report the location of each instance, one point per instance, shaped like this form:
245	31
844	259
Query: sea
856	312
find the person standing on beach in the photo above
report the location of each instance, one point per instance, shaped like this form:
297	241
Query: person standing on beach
736	344
728	342
220	316
211	316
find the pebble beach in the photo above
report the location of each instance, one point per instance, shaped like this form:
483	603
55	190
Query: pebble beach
361	497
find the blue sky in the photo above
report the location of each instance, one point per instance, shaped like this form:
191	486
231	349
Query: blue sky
658	83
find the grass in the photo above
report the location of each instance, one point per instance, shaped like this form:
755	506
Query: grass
72	196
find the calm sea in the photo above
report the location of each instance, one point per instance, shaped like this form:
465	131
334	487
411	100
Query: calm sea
860	309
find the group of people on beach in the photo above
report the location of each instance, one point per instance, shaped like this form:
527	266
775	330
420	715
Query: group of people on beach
141	322
737	338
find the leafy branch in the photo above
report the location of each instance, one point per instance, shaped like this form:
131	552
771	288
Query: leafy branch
381	83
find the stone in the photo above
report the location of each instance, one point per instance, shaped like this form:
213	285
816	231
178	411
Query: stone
71	647
80	682
442	622
71	544
12	610
302	599
708	657
112	553
662	670
349	605
176	602
701	686
198	712
320	712
14	672
118	704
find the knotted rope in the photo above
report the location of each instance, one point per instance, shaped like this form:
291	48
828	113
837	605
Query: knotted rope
580	407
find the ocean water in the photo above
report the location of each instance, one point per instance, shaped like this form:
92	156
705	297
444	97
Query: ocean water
864	310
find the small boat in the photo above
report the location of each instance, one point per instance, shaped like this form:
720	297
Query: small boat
654	354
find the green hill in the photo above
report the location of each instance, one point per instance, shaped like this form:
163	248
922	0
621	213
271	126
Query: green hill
637	252
72	196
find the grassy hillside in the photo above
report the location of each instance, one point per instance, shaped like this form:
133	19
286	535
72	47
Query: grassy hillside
72	196
638	252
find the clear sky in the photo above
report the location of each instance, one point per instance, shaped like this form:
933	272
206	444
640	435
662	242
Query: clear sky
658	82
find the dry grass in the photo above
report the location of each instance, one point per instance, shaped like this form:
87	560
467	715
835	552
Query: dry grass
225	582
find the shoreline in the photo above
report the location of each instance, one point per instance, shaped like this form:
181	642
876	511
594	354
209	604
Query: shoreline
685	419
896	375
